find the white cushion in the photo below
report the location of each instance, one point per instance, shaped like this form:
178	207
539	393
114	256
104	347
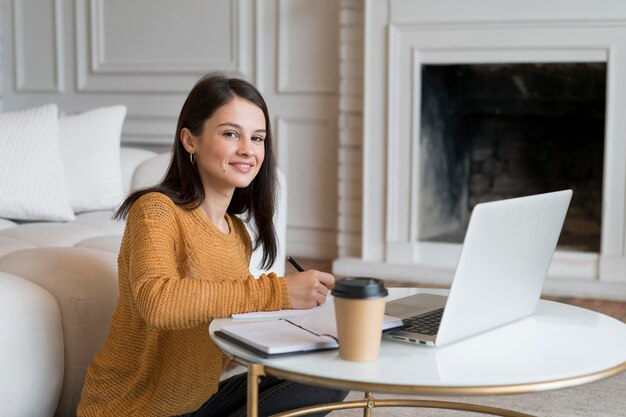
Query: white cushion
4	223
90	148
102	221
110	243
12	244
32	183
51	234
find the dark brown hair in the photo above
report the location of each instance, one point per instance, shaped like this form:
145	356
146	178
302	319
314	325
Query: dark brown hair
182	182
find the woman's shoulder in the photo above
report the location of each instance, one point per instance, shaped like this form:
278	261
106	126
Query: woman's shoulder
154	203
154	198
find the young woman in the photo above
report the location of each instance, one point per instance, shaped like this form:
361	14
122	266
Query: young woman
184	260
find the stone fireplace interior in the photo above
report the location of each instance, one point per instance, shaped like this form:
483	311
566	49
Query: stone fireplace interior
496	131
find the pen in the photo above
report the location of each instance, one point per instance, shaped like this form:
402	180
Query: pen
295	264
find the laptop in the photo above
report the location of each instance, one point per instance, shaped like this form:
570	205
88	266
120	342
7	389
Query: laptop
505	258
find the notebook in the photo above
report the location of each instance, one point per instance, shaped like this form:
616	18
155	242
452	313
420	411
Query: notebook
314	331
505	258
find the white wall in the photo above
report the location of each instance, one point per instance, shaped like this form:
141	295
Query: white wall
297	62
147	54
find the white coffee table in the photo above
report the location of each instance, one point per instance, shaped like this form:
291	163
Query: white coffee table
559	346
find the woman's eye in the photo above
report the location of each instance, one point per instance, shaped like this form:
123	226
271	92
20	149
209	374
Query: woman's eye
258	139
230	134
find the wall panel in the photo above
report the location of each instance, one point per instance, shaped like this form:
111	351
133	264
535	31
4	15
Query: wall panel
37	45
171	48
304	41
307	154
298	73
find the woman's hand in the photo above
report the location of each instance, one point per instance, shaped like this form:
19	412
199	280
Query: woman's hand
309	288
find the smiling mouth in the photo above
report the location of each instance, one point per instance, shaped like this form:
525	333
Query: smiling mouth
242	166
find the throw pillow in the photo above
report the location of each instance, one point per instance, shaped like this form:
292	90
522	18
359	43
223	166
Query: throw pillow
32	182
90	148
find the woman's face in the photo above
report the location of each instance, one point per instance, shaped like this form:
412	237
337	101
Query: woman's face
230	150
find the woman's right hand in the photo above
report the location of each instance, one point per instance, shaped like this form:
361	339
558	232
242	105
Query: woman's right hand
309	288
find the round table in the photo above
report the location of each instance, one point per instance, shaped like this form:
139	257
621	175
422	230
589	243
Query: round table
559	346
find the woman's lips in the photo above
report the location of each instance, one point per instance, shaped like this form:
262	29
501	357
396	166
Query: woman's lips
243	167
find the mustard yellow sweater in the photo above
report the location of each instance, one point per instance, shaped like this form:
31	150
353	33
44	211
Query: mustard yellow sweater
177	271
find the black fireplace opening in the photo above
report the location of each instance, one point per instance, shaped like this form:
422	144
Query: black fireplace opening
496	131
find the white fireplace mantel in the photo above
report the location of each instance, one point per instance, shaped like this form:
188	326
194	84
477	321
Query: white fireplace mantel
401	36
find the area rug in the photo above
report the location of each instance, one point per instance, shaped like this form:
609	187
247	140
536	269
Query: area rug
605	398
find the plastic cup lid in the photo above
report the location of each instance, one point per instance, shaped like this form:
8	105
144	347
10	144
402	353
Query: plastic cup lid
359	288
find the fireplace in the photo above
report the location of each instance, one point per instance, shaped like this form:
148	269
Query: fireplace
496	131
554	118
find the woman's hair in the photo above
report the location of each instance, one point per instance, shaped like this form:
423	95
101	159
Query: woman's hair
182	182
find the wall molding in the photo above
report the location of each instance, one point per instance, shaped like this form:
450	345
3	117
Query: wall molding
95	72
19	49
100	65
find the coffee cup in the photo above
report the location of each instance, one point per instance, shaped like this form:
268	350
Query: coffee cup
359	312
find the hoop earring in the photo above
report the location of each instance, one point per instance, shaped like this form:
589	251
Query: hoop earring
192	158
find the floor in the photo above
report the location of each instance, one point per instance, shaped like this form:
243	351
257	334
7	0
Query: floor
615	309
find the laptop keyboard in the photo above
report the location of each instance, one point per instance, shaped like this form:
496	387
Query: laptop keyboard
424	324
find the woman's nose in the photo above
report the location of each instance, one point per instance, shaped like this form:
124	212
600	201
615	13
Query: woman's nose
246	147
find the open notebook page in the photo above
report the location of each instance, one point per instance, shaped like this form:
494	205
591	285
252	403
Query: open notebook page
277	314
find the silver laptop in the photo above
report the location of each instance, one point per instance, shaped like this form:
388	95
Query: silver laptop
506	254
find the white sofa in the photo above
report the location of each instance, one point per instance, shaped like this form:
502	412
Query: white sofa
58	289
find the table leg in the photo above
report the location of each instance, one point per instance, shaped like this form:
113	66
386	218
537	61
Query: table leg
255	371
367	410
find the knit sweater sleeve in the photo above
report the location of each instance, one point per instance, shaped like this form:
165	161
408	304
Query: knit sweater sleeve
167	300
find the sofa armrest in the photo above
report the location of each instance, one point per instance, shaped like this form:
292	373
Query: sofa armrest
150	172
31	352
84	284
131	158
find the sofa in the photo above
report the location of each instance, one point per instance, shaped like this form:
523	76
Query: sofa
58	287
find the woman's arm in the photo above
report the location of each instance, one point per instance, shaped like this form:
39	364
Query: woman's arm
165	298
